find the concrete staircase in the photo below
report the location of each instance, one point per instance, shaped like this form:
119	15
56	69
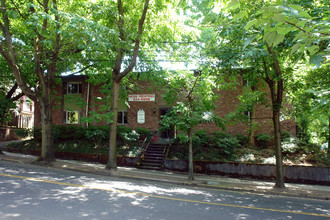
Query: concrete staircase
153	157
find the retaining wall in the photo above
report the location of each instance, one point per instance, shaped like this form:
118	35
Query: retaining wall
298	174
7	134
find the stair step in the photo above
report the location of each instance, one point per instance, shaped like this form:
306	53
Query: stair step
151	164
151	168
153	157
152	161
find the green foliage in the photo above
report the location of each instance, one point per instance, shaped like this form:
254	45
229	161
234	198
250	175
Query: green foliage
310	99
216	135
285	135
5	106
242	139
227	148
96	136
262	139
219	146
194	98
200	139
143	133
127	134
68	132
23	132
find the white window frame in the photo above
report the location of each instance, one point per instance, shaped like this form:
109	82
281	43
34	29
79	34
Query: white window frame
67	117
71	83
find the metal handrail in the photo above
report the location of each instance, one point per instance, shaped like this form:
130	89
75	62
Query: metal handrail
145	146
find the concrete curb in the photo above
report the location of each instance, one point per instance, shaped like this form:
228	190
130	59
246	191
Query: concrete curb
208	182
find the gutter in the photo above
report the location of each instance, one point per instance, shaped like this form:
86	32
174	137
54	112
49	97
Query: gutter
88	87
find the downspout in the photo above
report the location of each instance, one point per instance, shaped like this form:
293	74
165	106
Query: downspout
87	104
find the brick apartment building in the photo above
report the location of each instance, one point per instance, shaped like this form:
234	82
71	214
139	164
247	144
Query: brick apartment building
145	107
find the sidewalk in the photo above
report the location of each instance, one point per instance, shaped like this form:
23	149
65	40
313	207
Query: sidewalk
207	181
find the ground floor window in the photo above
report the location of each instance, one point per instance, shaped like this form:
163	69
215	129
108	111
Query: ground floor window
122	117
71	117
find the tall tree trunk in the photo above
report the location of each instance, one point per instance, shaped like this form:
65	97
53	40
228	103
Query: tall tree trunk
112	160
47	150
278	150
276	92
117	76
190	156
329	139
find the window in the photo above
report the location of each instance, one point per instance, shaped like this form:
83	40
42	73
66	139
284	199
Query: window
122	117
72	117
248	114
74	88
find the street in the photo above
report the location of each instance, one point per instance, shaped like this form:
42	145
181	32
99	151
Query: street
31	192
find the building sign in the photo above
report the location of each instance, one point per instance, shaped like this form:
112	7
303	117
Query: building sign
141	116
141	98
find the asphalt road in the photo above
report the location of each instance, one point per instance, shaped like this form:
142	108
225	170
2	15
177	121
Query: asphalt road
30	192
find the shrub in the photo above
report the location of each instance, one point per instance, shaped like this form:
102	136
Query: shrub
72	132
227	148
23	132
216	135
143	133
127	135
36	132
262	139
200	139
243	139
285	136
96	136
220	134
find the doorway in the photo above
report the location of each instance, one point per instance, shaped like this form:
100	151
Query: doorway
166	133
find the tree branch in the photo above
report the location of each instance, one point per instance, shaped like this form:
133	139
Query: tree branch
137	40
17	9
80	71
193	87
17	97
303	30
11	91
120	52
278	72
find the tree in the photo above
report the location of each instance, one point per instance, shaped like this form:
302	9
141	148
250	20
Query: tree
192	95
287	28
129	30
310	98
39	32
265	39
118	74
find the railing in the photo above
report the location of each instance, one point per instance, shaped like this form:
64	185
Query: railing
144	146
165	152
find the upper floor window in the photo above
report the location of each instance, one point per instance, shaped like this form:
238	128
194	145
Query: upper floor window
74	88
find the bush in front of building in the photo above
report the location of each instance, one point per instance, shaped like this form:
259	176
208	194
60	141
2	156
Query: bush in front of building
263	140
143	132
22	132
218	146
242	139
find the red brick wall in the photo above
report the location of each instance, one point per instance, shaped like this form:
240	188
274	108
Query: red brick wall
226	103
151	118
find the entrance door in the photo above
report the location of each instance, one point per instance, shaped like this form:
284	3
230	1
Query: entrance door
168	133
